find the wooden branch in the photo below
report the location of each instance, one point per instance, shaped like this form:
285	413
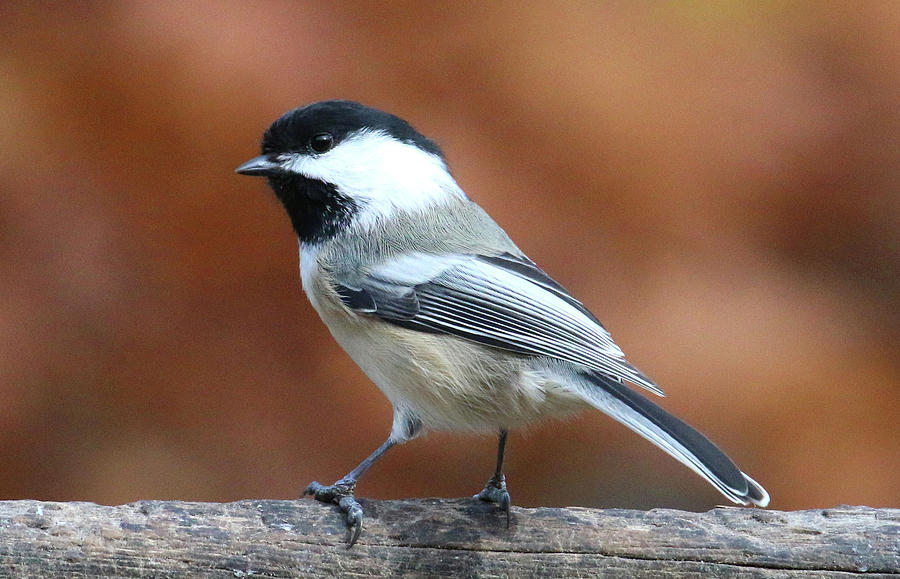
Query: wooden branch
430	537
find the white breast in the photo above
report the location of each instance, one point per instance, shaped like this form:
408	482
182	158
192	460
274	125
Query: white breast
448	383
309	267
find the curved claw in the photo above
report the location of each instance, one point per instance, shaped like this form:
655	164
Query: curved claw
354	513
341	494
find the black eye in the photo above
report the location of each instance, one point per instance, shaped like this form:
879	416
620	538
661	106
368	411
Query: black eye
321	142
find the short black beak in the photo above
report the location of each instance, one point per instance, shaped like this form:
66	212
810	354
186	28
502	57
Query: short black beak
260	166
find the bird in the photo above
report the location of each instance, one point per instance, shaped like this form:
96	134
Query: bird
456	326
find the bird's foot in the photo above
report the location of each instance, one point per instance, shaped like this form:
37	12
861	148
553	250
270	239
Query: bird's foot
341	494
495	492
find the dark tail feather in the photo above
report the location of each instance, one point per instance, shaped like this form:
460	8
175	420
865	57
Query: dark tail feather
673	436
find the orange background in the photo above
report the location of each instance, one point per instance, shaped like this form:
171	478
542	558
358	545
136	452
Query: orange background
718	182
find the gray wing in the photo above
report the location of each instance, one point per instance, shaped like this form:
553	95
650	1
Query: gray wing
502	301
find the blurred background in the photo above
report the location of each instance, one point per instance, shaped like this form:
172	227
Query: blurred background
718	182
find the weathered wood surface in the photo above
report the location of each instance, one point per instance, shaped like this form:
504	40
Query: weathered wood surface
459	538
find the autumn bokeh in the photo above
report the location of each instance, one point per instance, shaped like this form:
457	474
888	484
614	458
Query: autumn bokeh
719	183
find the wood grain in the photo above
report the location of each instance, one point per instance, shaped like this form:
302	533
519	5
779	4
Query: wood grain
431	537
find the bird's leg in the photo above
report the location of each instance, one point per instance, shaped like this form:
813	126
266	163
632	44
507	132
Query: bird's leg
341	492
495	489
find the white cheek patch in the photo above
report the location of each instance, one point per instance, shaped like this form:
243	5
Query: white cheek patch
383	175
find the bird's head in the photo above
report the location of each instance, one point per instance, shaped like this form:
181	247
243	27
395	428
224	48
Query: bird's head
336	162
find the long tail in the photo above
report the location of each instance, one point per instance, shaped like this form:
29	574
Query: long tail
673	436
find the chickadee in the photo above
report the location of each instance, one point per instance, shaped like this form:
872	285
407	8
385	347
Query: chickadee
431	298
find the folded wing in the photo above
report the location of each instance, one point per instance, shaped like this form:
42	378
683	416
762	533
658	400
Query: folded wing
502	301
